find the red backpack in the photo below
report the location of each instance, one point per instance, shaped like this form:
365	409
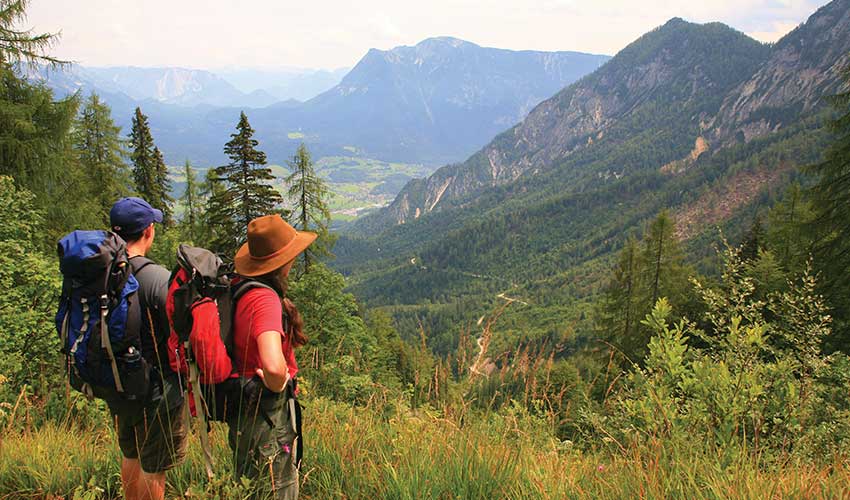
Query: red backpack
200	306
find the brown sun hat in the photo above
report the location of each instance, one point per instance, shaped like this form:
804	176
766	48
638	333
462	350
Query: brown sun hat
271	244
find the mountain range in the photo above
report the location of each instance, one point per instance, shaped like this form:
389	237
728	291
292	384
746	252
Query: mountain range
172	86
296	83
432	103
700	119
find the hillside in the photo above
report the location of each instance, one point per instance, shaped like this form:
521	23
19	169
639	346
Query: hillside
542	208
678	72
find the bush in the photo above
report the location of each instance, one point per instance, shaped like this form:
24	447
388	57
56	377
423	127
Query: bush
750	377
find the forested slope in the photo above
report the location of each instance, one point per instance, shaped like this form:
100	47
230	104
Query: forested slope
699	119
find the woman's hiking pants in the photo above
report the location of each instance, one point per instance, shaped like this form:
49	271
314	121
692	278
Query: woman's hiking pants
264	440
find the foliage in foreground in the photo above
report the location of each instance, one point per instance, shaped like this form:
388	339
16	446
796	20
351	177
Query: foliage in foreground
390	451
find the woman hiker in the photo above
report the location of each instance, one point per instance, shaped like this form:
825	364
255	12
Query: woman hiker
265	434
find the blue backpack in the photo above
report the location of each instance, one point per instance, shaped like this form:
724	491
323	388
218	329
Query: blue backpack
99	318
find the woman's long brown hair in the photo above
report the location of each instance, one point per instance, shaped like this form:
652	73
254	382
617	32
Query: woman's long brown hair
278	280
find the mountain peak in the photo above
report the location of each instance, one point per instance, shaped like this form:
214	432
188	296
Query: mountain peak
444	41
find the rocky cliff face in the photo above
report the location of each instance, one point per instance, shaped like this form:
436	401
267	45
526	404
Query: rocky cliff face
679	68
803	66
735	89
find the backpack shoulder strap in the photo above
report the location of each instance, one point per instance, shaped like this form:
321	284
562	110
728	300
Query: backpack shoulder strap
139	262
245	285
227	309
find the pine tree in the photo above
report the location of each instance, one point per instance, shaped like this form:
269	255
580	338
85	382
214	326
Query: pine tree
662	261
620	307
831	194
191	203
149	171
645	272
753	241
100	152
22	46
142	154
308	192
210	189
160	196
247	191
831	198
791	233
35	130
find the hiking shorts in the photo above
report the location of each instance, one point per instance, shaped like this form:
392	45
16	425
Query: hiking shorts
156	435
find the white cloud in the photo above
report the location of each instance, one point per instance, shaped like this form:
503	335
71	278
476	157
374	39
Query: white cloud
275	33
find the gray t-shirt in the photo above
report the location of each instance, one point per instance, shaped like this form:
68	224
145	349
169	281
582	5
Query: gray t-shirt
153	291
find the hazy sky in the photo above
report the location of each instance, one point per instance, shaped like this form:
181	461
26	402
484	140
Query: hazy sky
328	34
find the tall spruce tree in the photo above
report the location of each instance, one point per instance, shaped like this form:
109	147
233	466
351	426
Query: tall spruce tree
142	154
160	196
100	152
35	147
662	261
149	171
645	272
211	188
308	193
620	307
831	198
191	204
247	192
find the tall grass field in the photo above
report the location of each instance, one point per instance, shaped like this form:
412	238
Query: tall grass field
388	451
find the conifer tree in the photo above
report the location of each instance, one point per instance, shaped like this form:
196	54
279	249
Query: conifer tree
753	241
832	191
620	306
247	192
308	193
645	272
191	203
211	188
149	171
100	152
35	130
141	154
662	261
161	193
831	198
22	46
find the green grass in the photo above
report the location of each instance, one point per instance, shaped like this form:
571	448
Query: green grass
393	452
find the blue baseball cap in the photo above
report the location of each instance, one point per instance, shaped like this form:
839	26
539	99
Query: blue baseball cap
132	215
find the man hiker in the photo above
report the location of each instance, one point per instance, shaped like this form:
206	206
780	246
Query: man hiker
152	440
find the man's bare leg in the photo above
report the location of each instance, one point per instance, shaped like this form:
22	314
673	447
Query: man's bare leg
131	471
151	486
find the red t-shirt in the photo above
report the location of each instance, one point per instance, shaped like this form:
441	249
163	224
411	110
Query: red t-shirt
258	311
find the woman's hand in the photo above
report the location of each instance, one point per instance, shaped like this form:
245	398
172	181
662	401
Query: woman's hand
274	372
262	376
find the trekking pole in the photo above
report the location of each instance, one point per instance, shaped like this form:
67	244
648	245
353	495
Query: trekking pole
202	414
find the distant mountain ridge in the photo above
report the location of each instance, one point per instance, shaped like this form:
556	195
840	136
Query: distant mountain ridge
299	84
699	119
429	104
436	101
167	85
